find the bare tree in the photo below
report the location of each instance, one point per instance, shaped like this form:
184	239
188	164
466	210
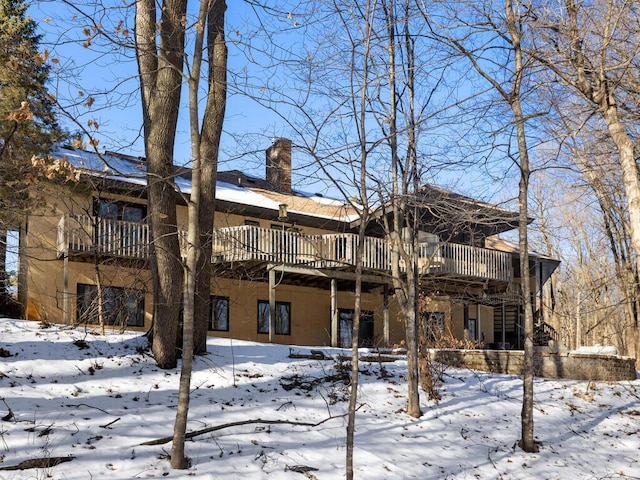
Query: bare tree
583	221
321	98
590	53
160	42
402	227
205	141
591	47
502	32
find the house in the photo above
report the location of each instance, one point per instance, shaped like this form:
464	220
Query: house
85	257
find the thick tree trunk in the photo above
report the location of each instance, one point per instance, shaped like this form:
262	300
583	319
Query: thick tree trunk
167	271
630	174
160	68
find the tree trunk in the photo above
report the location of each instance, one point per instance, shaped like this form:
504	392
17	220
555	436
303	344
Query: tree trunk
355	337
203	142
4	277
630	172
160	69
402	249
413	375
209	149
527	440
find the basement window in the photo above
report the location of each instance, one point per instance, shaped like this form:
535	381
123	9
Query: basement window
219	318
432	325
283	317
122	307
345	328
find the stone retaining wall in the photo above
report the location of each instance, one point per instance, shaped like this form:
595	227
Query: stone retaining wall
577	366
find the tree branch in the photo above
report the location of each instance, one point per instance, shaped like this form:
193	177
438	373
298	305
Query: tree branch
195	433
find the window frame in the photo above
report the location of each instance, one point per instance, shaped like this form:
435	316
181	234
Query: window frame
119	209
119	297
345	327
263	317
213	302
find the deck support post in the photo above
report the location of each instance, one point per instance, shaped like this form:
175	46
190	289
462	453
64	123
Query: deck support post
385	316
334	312
504	325
272	305
65	290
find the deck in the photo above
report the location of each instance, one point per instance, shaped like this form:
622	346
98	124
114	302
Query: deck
88	235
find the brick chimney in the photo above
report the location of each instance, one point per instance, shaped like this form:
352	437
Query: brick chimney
279	164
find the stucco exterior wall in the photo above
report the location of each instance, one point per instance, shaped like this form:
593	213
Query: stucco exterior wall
310	307
310	312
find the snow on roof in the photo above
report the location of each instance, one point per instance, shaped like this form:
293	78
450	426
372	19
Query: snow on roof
129	169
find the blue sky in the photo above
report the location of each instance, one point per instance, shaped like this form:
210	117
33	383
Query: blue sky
117	109
248	127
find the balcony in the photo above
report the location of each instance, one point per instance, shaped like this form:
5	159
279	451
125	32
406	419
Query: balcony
83	234
248	243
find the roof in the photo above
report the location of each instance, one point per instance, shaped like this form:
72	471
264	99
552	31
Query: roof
548	264
433	192
236	188
438	205
498	243
232	186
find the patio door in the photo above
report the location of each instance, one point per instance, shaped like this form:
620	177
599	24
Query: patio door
345	328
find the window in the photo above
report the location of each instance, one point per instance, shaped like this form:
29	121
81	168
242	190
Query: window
252	236
113	210
117	231
432	325
219	319
120	306
345	328
472	327
283	317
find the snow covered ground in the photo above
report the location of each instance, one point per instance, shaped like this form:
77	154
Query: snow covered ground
70	392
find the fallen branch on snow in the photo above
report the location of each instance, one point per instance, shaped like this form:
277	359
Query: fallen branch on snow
48	462
195	433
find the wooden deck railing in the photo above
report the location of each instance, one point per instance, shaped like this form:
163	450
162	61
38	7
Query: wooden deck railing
336	250
465	260
86	234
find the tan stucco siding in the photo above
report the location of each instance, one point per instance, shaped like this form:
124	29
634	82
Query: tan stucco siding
310	307
454	317
310	311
